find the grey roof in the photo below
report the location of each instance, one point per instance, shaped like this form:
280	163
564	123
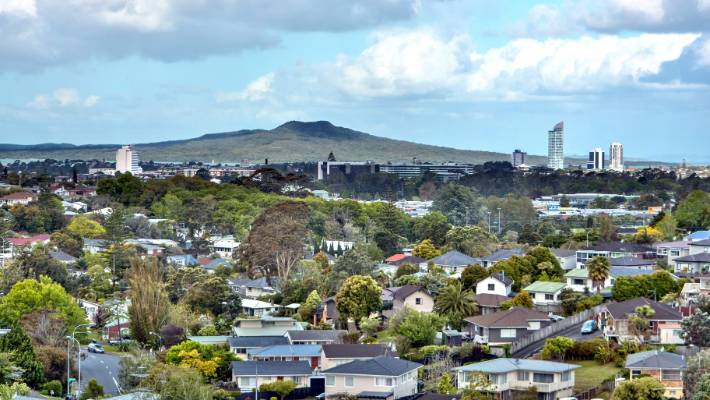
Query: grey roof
629	261
503	278
62	256
655	359
287	350
621	247
454	258
699	258
94	242
617	272
564	252
256	341
622	310
702	243
216	263
378	366
503	254
490	300
316	335
354	350
501	365
516	317
258	283
271	368
405	291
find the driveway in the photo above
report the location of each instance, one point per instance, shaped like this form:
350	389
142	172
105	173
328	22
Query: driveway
102	367
573	332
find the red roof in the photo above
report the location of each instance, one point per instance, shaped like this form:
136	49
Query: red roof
203	260
395	257
17	196
25	241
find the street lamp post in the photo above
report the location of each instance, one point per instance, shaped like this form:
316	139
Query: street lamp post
499	227
489	222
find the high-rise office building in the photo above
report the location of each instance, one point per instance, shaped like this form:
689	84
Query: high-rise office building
127	160
596	159
616	157
519	158
555	147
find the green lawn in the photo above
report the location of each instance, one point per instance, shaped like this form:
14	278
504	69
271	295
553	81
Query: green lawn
592	374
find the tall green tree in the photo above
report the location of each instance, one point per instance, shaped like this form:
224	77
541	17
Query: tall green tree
149	307
455	303
693	212
667	226
459	203
358	297
432	226
32	295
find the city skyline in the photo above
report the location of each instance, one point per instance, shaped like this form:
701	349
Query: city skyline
461	74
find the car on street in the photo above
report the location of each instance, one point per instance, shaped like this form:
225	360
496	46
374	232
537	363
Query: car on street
96	348
555	317
588	327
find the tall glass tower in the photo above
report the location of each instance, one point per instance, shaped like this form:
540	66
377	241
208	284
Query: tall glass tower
555	147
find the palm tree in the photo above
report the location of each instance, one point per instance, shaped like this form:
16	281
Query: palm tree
598	268
455	303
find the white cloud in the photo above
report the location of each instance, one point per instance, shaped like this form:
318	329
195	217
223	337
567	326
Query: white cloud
63	97
703	53
41	33
256	90
415	63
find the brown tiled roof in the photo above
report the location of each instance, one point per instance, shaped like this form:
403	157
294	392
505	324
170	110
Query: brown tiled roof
624	309
516	317
17	196
490	300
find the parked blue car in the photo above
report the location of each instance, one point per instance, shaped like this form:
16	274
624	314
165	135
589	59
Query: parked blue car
588	327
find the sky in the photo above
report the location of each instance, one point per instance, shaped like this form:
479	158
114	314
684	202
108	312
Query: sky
470	74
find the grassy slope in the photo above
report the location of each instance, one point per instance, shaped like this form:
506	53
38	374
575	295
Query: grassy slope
592	374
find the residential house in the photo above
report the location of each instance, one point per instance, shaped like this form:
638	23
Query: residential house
546	295
566	257
669	251
265	326
258	308
10	247
497	283
210	264
63	257
94	246
615	249
313	336
550	380
288	352
662	365
249	375
454	262
382	377
327	311
216	340
704	281
490	303
338	354
505	326
181	260
664	325
579	281
241	345
90	308
697	235
633	262
411	260
501	255
17	198
223	246
693	264
396	299
251	288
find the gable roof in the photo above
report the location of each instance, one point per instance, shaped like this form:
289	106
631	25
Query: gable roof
271	368
258	283
413	260
316	335
516	317
17	196
405	291
29	240
62	256
395	257
655	359
563	253
503	254
503	278
354	350
378	366
545	287
454	258
256	341
624	309
698	258
502	365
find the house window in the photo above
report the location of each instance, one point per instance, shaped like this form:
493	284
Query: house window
247	381
549	296
498	379
523	376
507	333
383	381
418	301
670	375
578	282
349	382
543	378
675	253
330	380
635	373
491	286
532	296
534	325
566	376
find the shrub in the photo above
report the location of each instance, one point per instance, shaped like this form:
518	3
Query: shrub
52	388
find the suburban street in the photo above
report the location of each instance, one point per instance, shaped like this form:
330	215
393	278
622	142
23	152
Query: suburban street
573	332
104	368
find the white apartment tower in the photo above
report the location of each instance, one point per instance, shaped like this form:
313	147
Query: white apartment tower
596	159
555	147
127	160
616	157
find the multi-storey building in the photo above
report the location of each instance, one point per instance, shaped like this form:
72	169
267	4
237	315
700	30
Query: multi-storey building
596	159
555	147
616	157
127	160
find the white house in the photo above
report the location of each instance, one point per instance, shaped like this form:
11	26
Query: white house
224	246
497	283
546	295
257	308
